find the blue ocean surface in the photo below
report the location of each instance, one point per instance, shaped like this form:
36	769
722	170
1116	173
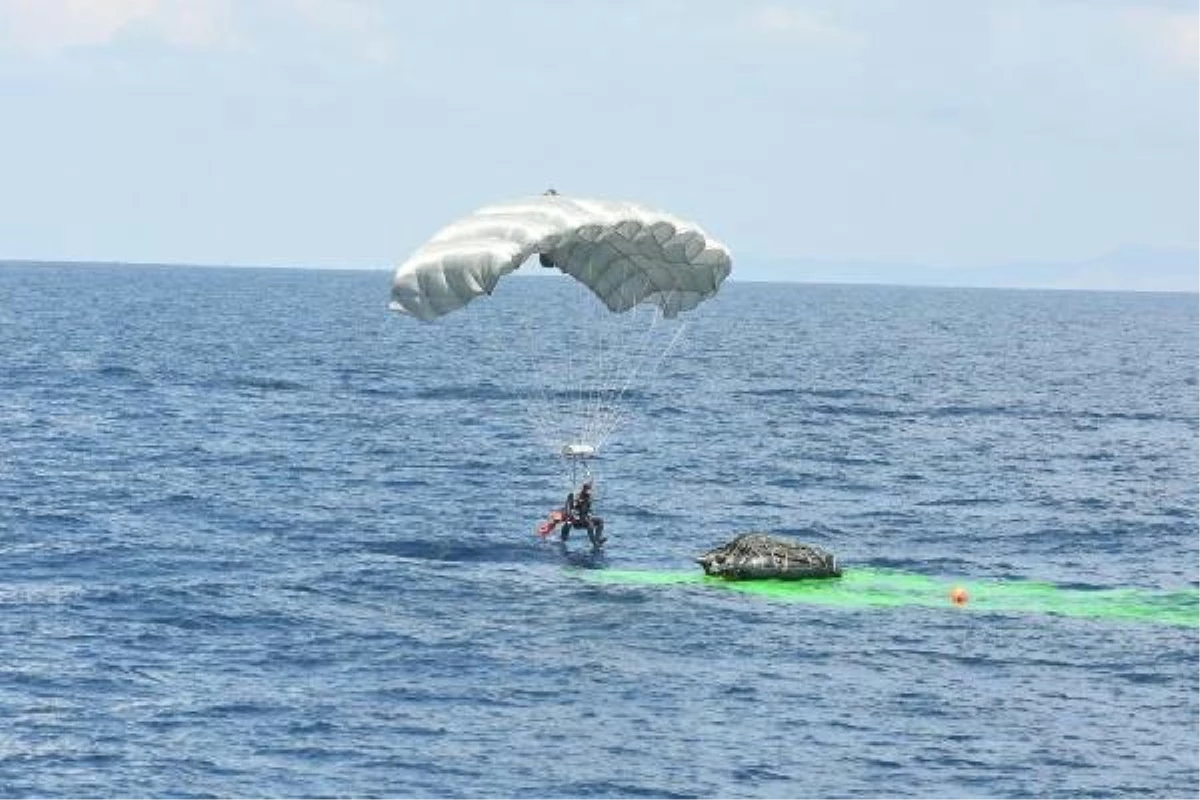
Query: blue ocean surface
260	536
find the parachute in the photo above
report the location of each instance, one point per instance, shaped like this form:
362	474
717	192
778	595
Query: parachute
635	266
625	253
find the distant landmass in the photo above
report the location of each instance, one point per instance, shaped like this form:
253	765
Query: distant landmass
1128	268
1131	268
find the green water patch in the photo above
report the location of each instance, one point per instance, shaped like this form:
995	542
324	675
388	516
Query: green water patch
874	588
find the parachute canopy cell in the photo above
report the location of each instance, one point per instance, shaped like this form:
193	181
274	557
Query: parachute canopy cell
625	253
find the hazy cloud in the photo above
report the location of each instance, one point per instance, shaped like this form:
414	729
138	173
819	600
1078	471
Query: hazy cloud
45	27
48	27
1172	38
798	25
358	25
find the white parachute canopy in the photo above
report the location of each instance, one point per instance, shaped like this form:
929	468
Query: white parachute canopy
625	253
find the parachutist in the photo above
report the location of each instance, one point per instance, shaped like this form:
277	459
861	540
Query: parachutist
577	513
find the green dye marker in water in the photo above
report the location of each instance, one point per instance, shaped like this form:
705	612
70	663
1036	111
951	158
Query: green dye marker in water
872	588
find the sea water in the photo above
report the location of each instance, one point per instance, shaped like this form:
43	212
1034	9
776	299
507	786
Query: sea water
261	537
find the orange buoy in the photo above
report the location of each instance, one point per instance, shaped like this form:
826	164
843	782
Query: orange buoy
958	596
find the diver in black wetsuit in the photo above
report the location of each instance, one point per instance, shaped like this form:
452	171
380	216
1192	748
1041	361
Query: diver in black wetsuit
578	511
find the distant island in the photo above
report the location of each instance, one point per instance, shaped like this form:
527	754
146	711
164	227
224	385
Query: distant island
1129	268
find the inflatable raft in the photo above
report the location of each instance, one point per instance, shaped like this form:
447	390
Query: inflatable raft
755	556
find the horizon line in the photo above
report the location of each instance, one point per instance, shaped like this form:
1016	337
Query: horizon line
733	278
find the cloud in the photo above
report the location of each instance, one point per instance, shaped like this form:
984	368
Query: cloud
359	24
50	27
46	27
43	26
1172	38
790	24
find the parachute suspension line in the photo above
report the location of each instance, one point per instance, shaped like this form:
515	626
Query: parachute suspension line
585	361
608	365
613	344
617	384
590	391
619	413
535	398
555	369
569	392
560	400
644	351
595	352
585	337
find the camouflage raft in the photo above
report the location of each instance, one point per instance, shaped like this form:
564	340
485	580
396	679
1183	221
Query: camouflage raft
754	556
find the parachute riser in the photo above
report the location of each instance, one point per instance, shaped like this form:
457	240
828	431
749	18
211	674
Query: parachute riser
578	456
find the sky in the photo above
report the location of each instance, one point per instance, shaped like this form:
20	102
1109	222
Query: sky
914	135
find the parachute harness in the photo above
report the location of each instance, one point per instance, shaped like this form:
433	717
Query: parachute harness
580	473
